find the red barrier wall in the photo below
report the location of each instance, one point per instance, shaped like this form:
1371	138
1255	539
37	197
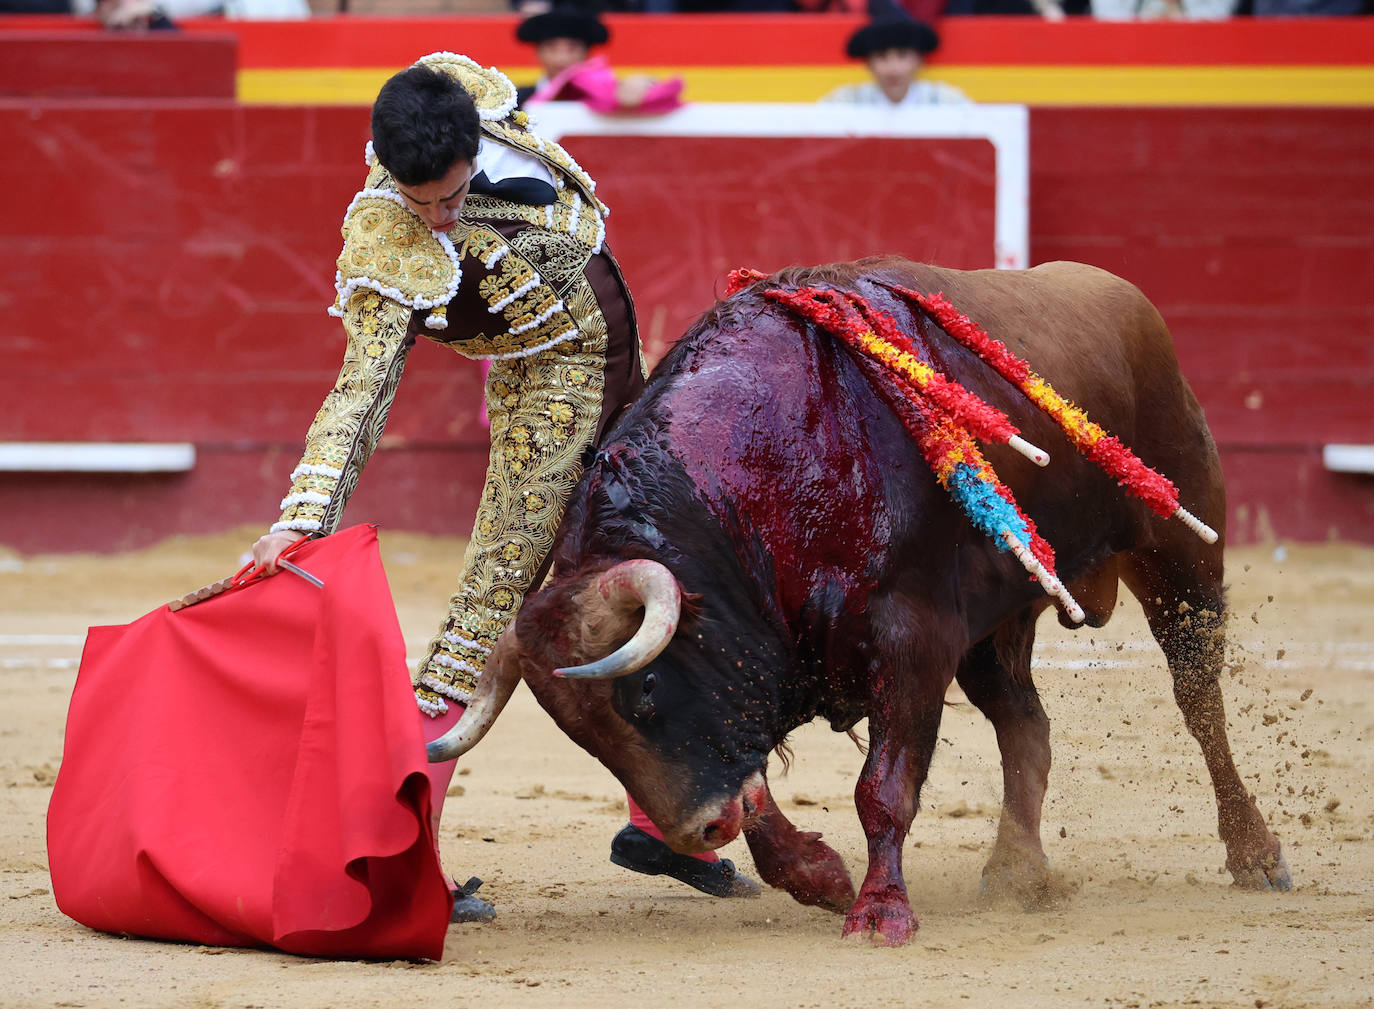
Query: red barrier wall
1252	230
171	285
71	64
772	202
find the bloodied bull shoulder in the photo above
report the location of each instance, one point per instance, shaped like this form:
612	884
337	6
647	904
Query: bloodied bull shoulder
825	505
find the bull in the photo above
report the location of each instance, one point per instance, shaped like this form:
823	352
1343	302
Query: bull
759	543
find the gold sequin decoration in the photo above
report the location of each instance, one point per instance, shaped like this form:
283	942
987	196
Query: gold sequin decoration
532	319
349	423
544	410
390	246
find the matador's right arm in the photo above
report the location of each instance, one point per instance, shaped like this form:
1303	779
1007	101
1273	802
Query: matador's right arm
349	423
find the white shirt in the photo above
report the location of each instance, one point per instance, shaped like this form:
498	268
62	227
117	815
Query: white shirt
502	162
922	92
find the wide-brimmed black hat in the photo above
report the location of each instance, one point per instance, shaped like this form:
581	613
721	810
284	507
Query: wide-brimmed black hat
563	23
892	33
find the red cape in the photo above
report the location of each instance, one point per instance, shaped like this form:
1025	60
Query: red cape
249	771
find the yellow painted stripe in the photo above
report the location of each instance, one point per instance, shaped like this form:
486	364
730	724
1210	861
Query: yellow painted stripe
1166	85
311	86
1031	85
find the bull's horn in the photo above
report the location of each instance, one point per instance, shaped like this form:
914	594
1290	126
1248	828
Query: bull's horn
644	582
494	688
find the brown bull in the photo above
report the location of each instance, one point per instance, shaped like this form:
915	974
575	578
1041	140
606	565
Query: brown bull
760	543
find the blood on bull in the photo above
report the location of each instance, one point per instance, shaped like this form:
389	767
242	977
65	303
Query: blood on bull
831	503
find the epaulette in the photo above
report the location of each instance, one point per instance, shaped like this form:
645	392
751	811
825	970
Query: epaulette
388	249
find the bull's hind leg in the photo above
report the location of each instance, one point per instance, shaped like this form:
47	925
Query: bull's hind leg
1178	581
995	676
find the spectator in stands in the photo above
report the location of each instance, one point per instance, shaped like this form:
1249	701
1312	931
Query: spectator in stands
1149	10
142	14
1050	10
1307	8
563	38
894	47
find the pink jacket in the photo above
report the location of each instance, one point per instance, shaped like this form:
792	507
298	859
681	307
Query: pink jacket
593	83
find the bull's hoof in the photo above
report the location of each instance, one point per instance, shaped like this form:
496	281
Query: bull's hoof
1029	882
1267	873
811	871
884	922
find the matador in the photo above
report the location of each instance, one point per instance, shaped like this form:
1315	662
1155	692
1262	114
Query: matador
475	232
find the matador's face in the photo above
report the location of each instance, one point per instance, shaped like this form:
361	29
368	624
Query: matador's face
441	201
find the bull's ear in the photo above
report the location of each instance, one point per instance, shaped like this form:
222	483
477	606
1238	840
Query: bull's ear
547	624
637	602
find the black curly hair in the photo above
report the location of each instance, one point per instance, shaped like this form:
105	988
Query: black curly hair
423	122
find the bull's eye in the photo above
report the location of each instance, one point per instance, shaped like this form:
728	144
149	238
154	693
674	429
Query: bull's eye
645	707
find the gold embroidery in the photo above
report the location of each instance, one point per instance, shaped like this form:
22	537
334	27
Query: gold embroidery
349	423
388	248
535	316
544	410
559	258
512	277
587	232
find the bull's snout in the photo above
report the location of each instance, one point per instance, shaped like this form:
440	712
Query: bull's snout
726	826
724	823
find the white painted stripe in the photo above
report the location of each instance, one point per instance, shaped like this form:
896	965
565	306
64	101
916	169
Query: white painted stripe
1006	127
1292	665
1348	458
96	457
51	664
42	639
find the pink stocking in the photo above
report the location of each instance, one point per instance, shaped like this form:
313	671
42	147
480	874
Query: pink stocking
641	820
439	774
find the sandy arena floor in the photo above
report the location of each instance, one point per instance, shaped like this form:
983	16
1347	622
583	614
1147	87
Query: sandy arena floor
1151	919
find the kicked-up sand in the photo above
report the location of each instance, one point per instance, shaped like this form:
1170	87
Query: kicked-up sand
1146	917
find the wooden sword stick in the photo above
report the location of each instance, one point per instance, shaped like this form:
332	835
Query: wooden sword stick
215	588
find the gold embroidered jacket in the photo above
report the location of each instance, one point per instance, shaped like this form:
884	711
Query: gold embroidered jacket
522	303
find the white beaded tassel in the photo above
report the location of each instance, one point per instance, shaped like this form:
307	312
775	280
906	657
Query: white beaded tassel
1205	532
1035	454
1052	585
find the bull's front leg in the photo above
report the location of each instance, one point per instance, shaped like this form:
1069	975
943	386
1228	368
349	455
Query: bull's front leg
797	861
902	733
